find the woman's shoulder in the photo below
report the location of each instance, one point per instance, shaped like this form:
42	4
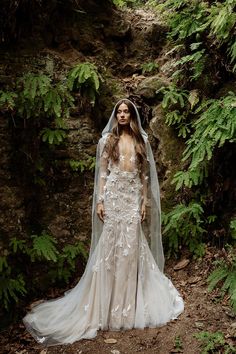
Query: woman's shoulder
105	138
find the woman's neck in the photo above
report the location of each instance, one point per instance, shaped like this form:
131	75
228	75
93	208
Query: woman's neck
125	130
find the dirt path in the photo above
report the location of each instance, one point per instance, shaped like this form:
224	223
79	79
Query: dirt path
202	313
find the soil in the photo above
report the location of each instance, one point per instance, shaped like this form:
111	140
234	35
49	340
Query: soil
204	311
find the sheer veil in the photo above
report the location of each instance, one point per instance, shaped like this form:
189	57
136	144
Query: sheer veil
152	226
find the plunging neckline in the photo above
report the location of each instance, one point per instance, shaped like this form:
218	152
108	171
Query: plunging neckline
130	152
127	160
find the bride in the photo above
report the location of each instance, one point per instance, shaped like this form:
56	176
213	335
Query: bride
123	285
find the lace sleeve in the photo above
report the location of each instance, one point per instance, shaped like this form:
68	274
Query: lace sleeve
102	176
144	180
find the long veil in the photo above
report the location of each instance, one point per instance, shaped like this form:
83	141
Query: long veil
152	227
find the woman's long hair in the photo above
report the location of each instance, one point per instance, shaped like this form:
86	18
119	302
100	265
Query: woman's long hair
113	140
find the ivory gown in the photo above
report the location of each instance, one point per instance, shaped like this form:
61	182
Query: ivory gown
122	287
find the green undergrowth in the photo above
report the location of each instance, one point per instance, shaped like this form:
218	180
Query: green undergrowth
26	264
184	226
214	342
200	106
223	277
38	107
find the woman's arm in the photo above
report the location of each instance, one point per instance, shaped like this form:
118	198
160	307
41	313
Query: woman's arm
101	184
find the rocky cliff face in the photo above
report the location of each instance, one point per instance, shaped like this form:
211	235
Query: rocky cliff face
119	43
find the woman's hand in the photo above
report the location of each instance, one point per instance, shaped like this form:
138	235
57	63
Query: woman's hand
143	212
100	211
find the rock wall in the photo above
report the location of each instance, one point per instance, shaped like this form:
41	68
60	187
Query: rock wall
119	43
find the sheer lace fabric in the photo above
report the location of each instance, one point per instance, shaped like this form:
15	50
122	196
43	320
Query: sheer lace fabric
122	286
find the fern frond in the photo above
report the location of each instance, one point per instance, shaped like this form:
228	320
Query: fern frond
3	263
183	226
224	276
17	245
11	289
216	276
44	247
7	100
86	78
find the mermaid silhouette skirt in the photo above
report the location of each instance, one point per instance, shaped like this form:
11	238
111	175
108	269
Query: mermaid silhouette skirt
122	286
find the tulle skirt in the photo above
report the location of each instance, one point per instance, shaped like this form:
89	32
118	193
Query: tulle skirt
122	286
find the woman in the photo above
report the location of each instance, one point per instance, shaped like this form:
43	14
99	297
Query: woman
123	285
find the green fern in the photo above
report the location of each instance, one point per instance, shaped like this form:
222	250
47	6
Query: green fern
232	53
194	21
38	248
122	3
7	100
78	165
222	19
11	289
183	227
173	96
212	342
197	63
187	20
55	136
189	178
232	226
66	262
149	67
85	77
215	126
17	245
224	277
179	121
173	4
38	97
3	263
70	252
82	165
119	3
91	162
179	99
44	248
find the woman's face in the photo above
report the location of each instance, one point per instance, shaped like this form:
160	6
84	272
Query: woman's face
123	114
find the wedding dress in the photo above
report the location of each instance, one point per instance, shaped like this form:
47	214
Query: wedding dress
122	286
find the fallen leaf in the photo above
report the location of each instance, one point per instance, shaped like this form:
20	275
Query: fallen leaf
127	79
229	312
110	340
182	282
199	324
194	280
182	264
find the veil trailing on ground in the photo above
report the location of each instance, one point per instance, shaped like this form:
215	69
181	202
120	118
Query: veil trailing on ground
152	226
